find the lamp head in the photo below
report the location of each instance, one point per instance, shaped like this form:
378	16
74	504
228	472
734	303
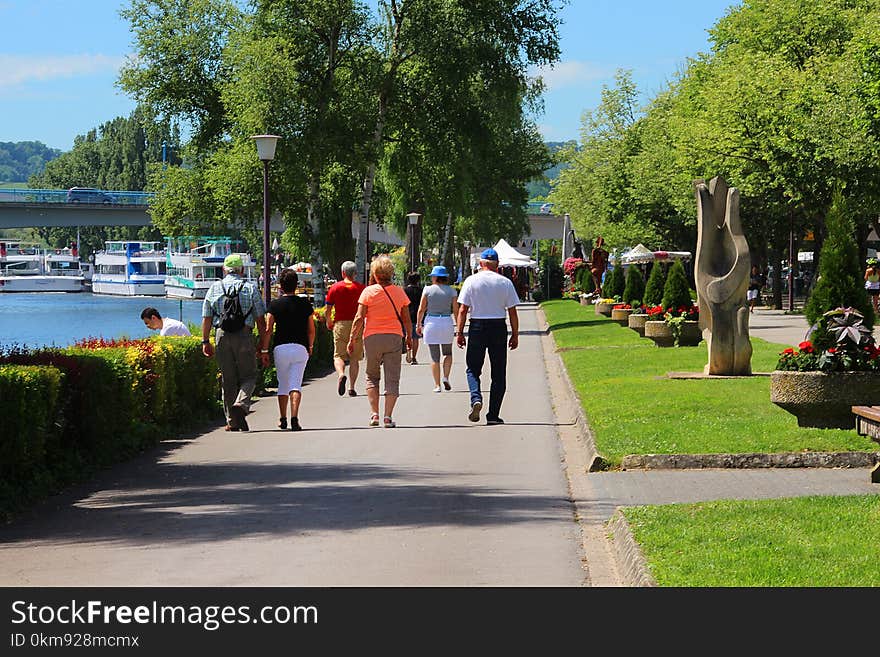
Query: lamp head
266	146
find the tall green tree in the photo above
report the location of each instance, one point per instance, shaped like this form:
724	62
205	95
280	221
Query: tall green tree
840	281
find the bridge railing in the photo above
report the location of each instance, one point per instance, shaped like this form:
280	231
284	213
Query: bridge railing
19	195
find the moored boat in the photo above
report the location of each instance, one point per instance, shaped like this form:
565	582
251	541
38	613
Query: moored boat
194	263
28	267
130	268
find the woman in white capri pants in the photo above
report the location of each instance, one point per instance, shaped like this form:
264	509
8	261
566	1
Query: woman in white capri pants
289	321
435	323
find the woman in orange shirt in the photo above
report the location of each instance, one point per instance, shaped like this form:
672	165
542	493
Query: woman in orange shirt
384	321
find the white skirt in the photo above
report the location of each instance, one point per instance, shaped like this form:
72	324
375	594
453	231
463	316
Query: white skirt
290	365
438	330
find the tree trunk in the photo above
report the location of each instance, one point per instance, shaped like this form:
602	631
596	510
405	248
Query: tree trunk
314	228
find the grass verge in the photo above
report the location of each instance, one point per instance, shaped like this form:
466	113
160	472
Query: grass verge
633	408
808	541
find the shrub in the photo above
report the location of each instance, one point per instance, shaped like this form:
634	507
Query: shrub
676	291
840	276
635	286
614	283
552	269
654	286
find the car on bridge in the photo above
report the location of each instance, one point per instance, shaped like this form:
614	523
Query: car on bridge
89	195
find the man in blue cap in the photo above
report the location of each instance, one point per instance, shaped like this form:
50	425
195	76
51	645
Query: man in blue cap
491	299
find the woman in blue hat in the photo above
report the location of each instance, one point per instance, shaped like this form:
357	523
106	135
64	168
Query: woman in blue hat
435	323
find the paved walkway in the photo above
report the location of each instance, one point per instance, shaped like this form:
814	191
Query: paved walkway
436	502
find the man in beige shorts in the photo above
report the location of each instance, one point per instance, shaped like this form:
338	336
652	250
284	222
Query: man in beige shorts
342	304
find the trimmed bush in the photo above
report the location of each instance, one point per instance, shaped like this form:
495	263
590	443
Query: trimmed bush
676	291
654	286
635	285
70	411
840	282
614	284
552	269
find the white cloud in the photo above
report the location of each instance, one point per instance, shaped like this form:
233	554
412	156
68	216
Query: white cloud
18	69
569	73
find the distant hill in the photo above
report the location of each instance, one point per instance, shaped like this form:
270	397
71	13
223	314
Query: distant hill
20	160
540	187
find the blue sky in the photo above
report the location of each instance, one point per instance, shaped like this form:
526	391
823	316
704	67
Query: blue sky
59	60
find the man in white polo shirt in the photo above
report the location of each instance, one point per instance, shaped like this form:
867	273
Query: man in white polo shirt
490	298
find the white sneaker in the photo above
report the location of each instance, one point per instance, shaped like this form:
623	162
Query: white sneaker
438	389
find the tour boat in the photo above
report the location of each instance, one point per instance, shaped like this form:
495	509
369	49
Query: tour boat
194	263
130	268
30	268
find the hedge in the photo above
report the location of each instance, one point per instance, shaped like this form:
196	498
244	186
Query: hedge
70	411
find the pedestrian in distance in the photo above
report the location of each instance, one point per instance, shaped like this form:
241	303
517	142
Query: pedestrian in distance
435	323
756	284
491	300
232	307
383	320
413	289
165	325
342	302
289	320
872	282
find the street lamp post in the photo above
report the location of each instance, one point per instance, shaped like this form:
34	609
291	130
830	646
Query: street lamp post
266	153
413	222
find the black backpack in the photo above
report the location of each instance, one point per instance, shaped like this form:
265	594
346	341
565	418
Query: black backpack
231	315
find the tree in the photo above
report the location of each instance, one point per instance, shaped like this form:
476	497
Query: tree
676	290
654	286
840	275
20	160
634	292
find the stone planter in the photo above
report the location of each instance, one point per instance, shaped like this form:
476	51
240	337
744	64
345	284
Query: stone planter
636	321
621	315
585	300
661	333
604	309
824	399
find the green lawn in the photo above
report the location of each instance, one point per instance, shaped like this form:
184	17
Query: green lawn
633	408
809	541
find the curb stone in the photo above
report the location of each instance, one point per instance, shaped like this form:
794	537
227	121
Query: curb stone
597	462
631	562
750	460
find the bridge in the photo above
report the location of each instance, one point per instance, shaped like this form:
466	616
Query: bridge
38	208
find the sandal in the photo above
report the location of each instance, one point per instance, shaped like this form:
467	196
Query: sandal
282	423
389	423
374	420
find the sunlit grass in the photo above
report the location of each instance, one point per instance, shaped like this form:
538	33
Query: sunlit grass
809	541
633	408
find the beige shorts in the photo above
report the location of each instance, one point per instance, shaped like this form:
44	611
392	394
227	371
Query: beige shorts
341	334
384	352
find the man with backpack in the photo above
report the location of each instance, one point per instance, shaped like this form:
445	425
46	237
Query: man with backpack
232	307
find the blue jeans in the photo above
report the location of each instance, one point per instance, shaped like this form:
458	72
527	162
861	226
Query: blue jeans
487	335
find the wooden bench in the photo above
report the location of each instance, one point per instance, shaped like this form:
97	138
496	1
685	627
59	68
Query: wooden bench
868	424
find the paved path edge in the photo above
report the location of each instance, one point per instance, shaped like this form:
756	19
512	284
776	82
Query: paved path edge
631	562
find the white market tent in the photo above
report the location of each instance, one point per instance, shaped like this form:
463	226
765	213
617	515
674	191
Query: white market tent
510	257
640	254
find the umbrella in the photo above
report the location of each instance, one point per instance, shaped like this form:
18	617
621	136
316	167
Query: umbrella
275	244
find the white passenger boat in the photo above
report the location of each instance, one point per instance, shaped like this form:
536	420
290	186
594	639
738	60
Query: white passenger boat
30	268
130	268
193	263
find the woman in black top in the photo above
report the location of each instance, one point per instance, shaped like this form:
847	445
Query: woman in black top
414	291
290	319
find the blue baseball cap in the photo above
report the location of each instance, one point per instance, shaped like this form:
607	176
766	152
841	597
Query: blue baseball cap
489	254
439	270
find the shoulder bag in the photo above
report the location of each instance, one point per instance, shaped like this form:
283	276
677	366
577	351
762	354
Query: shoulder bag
402	327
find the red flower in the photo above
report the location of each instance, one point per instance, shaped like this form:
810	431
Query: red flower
832	350
806	347
788	352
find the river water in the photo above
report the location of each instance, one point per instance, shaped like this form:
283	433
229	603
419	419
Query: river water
60	319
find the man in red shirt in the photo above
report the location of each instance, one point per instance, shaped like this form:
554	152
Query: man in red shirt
342	304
